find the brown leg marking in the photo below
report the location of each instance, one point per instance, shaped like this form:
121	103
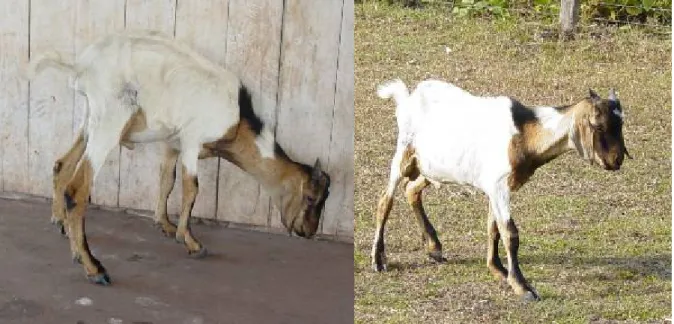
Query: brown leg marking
167	178
493	261
511	240
64	168
183	233
413	192
76	197
378	252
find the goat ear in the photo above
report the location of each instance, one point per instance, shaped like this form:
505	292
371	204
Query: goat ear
316	171
594	96
611	95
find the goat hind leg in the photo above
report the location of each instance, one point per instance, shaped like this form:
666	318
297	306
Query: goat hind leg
413	192
63	170
383	211
100	141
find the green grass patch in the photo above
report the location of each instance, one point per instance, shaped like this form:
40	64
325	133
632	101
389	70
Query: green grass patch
595	244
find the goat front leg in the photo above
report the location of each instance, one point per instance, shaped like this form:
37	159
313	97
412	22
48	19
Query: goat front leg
499	201
167	178
190	190
63	171
413	192
383	211
493	261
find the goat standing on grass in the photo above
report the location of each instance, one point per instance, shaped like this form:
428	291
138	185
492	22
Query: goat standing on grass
143	88
493	143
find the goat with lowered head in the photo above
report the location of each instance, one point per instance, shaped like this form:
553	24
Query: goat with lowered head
145	87
494	144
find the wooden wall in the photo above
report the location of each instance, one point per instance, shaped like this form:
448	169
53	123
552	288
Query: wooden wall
295	55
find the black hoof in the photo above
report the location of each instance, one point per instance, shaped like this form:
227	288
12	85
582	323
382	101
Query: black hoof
100	279
61	228
163	231
199	254
530	296
437	256
379	263
77	259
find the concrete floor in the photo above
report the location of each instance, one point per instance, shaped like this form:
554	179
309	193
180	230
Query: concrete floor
248	277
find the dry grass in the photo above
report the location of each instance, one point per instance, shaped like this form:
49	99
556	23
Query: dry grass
596	245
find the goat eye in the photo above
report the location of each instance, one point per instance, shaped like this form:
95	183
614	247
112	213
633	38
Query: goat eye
311	200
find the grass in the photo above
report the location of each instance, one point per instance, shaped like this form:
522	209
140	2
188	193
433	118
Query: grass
596	245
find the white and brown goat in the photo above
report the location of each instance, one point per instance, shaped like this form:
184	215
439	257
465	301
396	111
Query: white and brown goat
144	87
492	143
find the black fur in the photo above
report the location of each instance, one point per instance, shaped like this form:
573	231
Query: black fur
70	203
521	114
246	111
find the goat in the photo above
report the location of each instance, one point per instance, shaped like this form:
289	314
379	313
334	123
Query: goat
494	144
146	87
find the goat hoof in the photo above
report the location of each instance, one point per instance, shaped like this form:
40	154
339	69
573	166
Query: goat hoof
379	267
180	239
437	256
61	228
77	259
200	254
100	279
530	296
166	230
379	263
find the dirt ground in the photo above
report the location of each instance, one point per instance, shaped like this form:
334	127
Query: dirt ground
248	277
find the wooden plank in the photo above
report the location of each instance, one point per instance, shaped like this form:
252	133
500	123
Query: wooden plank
139	168
568	17
203	26
308	78
13	96
253	46
95	19
339	206
51	100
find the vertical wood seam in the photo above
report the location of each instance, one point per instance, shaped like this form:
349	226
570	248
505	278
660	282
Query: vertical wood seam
278	92
119	150
175	18
30	13
334	99
74	50
217	177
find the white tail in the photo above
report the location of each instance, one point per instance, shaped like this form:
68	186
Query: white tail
48	59
395	88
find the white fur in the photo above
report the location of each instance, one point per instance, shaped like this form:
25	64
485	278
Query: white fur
265	143
461	138
186	99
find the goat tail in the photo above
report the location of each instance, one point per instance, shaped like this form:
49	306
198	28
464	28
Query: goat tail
394	88
48	59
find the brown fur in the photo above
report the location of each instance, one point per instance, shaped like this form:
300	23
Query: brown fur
76	194
493	260
527	152
413	192
167	177
238	147
64	168
183	233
